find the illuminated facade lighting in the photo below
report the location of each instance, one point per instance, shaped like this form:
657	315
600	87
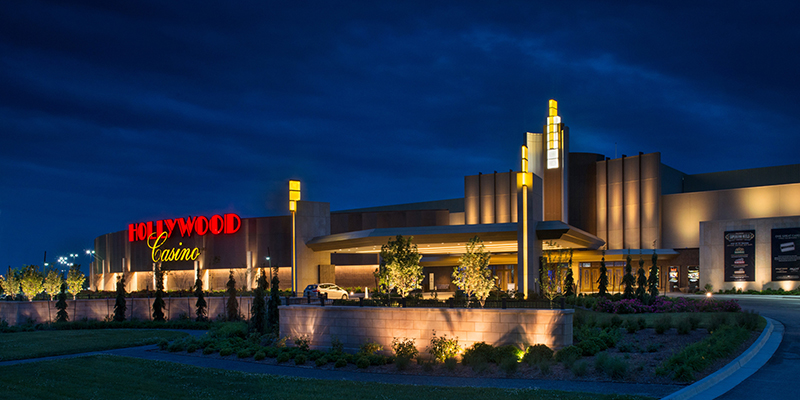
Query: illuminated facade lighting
294	197
554	136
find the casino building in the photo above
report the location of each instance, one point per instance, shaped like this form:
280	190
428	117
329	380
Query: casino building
733	229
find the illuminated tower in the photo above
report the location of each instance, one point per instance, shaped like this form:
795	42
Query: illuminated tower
548	158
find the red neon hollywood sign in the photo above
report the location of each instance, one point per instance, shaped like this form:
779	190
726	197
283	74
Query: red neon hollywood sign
217	224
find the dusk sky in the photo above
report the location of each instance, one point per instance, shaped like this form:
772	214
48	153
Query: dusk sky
121	112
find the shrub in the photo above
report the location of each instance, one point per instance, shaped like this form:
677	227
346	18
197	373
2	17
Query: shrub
209	350
500	353
747	320
376	359
568	355
478	352
591	346
404	348
300	359
509	365
630	326
616	368
191	348
226	352
162	344
716	322
244	353
369	348
616	321
580	368
229	329
641	322
260	355
363	362
601	361
654	347
663	324
272	352
176	346
302	342
544	367
321	361
336	345
340	363
694	322
283	357
442	347
684	326
450	364
538	353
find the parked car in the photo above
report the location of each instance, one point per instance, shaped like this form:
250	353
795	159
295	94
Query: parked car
331	290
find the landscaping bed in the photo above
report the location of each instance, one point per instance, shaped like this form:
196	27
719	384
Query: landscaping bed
638	354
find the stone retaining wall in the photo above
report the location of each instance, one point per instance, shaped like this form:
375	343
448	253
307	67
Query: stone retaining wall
19	312
356	325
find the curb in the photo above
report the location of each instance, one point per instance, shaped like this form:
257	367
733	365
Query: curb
713	386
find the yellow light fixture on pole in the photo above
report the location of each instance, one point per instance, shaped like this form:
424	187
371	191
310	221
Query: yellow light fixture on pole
294	197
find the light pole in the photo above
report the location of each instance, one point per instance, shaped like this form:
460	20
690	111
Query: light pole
294	197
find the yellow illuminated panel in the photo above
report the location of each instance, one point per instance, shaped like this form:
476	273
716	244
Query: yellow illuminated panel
524	158
553	137
292	205
294	185
294	196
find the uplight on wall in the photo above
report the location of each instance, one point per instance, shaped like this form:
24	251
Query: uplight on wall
553	135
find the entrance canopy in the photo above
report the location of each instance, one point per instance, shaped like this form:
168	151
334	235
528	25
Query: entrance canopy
451	239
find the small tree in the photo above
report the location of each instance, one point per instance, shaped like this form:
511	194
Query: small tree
399	267
201	306
569	281
158	302
473	275
75	279
258	311
120	306
628	280
652	279
233	305
273	316
641	280
11	284
602	281
31	281
52	282
61	305
551	277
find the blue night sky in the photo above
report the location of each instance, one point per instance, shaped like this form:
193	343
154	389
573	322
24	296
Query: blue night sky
121	112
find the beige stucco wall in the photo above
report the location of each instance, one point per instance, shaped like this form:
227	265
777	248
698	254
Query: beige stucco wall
356	325
712	252
683	212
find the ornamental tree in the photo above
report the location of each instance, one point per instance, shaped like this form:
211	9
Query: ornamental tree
201	307
75	279
273	316
473	275
31	281
10	283
641	280
259	307
158	302
551	277
569	280
120	306
52	282
602	281
652	279
232	306
628	280
399	268
61	305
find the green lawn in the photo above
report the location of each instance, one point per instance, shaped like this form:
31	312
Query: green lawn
122	378
17	346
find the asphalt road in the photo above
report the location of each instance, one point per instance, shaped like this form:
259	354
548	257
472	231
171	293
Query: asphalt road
776	379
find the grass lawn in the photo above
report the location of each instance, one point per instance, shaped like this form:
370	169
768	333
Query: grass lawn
17	346
121	378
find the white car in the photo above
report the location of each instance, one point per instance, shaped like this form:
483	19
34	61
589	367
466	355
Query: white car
331	290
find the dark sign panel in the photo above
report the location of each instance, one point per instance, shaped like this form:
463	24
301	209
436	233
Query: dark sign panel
740	256
785	255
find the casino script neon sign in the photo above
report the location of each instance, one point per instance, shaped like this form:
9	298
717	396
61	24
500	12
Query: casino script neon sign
156	234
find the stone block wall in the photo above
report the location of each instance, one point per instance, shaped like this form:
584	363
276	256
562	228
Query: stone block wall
356	325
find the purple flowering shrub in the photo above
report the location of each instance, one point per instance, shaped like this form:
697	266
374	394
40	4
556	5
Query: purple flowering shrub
666	305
